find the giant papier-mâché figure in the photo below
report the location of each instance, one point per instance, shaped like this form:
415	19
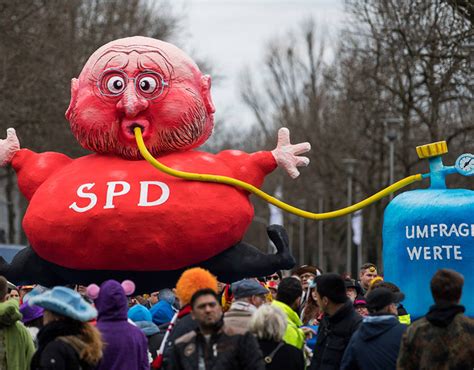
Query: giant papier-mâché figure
110	214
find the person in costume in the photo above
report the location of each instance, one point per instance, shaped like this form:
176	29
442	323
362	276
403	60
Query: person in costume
189	283
126	346
67	340
214	345
16	345
162	225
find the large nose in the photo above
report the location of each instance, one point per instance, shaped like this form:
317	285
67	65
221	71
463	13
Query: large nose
131	103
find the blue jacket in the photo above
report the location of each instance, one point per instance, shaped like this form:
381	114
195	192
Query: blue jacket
375	345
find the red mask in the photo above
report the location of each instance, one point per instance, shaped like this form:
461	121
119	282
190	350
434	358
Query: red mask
141	82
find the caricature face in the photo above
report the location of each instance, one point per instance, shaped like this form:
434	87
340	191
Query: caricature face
145	83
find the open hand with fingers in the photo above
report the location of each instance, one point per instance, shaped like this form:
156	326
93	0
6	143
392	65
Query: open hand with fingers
287	155
8	147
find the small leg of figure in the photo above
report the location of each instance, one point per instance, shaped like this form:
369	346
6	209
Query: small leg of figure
244	260
29	268
238	262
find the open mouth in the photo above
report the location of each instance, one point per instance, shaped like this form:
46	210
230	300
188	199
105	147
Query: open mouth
128	128
134	126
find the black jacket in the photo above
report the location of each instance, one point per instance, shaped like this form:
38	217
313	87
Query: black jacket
375	345
225	350
287	357
334	334
59	355
59	347
183	325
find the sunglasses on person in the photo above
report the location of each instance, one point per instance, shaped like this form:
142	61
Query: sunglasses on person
273	277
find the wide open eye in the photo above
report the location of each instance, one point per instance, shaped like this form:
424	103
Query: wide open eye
115	84
148	84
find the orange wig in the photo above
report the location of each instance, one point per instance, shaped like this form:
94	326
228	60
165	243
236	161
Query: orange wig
193	280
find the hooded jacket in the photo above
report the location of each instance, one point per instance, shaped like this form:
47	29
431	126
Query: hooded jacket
141	316
162	312
375	344
14	337
125	345
441	340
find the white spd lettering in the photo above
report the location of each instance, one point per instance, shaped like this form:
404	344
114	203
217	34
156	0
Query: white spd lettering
81	194
144	202
116	189
111	193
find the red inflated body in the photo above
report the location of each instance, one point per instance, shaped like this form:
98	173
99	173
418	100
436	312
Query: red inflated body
197	221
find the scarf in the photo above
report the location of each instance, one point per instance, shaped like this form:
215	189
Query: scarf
243	306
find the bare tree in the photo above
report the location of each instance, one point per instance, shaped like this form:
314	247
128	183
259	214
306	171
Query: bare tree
405	60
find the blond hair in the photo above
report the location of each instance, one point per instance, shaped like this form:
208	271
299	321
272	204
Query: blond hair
268	322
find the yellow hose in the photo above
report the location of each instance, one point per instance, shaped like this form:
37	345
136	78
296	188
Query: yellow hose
254	190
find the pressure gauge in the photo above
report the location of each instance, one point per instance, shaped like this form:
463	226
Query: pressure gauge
465	164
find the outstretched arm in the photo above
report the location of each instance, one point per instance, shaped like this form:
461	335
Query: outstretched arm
32	168
8	147
287	155
253	168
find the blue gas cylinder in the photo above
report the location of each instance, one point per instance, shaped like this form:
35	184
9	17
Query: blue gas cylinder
429	229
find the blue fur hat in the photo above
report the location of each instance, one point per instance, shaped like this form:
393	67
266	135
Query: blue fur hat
65	302
139	313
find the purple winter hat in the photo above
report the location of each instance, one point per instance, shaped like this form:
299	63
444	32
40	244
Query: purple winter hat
30	313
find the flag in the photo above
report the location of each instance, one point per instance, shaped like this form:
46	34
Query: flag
357	228
276	214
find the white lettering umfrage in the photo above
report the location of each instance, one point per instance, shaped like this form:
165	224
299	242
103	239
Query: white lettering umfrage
463	230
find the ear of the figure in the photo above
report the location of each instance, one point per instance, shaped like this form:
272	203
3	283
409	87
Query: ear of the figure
93	291
128	287
206	93
72	102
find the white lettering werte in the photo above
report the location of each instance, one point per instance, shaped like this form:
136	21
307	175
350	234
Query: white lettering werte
414	252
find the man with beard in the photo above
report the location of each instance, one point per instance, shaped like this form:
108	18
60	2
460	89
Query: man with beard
368	272
151	86
213	345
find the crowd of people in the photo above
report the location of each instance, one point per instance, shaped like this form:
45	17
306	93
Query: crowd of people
306	320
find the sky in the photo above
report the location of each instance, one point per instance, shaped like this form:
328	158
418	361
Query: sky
233	34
